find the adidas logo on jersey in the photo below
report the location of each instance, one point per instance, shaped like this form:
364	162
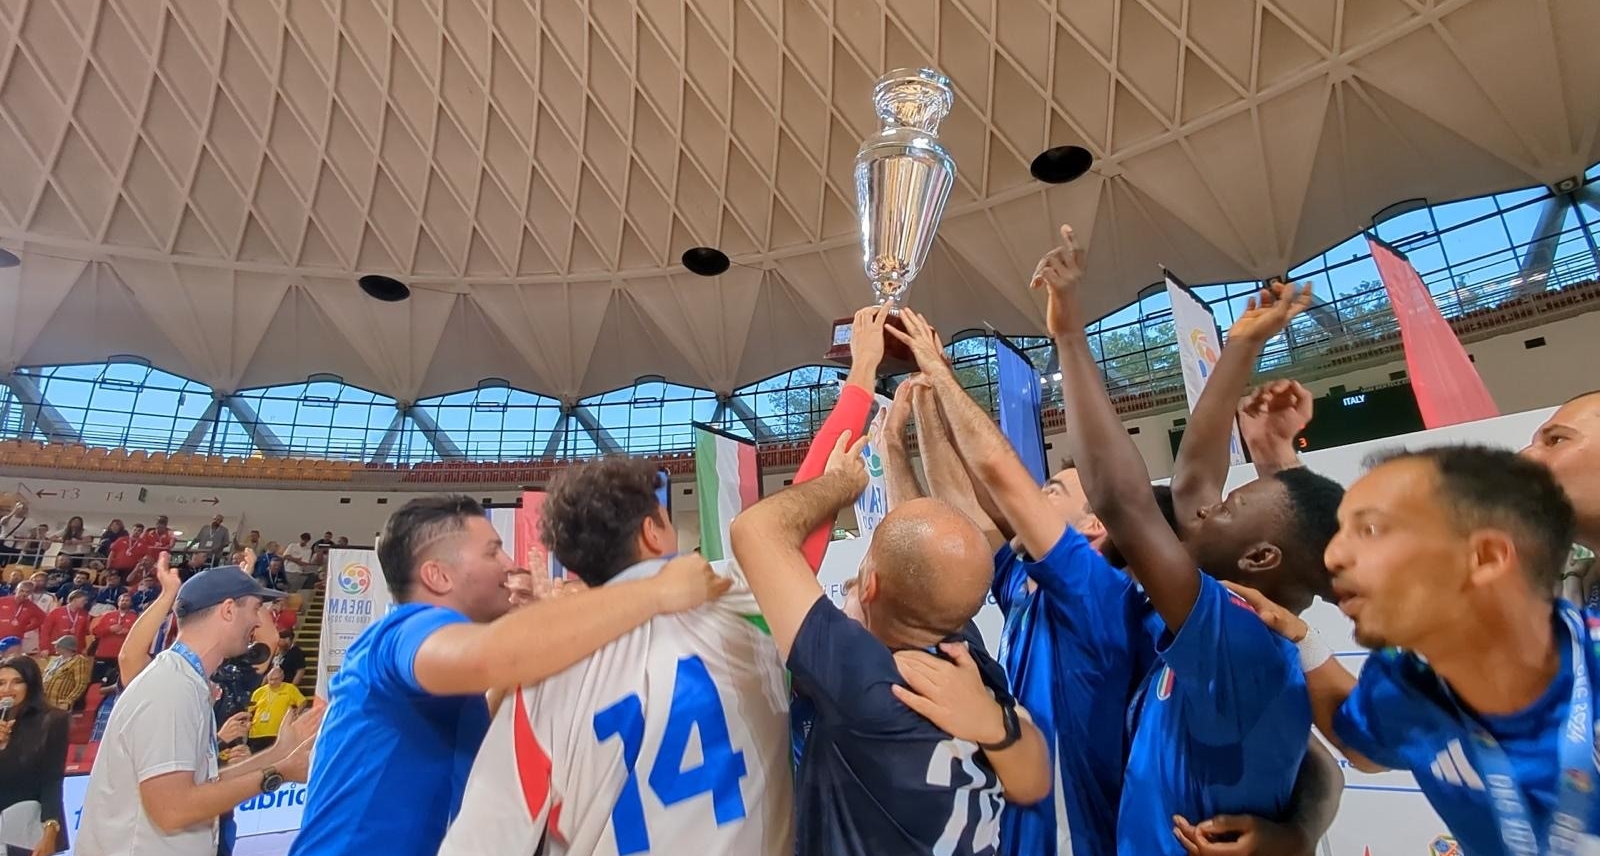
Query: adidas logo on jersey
1452	767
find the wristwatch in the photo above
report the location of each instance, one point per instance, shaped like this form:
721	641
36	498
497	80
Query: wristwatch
1008	711
271	780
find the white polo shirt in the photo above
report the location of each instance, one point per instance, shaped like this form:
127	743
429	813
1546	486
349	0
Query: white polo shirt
161	724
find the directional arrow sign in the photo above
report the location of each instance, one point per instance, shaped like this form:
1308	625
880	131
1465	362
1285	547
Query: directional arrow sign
212	501
44	493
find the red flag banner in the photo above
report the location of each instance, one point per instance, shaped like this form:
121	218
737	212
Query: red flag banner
528	552
1446	383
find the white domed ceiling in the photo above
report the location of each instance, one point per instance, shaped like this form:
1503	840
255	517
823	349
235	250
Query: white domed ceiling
201	182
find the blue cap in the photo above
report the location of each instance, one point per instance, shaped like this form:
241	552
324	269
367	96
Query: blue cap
10	642
215	585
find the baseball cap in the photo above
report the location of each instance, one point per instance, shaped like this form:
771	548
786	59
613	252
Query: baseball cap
215	585
10	642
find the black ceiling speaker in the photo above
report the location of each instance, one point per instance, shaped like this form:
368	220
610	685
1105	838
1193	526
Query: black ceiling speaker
1061	164
705	261
385	288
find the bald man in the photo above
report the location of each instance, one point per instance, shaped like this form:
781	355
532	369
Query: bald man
1569	445
913	764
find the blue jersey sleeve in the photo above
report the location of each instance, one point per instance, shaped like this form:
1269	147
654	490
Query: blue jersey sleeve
395	652
1232	667
841	667
1009	580
1085	591
1375	720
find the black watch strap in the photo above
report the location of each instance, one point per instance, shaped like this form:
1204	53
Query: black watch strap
1008	710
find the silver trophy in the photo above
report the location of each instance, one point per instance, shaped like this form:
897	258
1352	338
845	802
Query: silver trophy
903	179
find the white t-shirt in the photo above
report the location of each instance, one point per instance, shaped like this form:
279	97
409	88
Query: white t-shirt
161	724
298	559
699	700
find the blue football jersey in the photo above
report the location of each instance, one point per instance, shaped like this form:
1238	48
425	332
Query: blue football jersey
1219	724
875	777
1399	716
1073	651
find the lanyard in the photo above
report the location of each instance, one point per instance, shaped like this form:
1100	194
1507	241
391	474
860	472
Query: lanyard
192	658
1577	757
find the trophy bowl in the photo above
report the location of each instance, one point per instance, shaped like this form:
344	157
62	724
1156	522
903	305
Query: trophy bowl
903	177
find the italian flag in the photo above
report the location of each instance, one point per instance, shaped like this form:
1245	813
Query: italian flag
727	482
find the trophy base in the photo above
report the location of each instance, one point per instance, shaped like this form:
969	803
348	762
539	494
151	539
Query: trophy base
897	357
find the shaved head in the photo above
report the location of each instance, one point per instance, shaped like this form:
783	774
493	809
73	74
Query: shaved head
1569	444
928	569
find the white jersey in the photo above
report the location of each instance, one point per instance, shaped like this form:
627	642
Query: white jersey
672	739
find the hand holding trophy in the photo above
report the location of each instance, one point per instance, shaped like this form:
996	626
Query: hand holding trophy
903	179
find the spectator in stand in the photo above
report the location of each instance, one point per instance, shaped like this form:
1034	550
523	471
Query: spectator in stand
33	756
213	540
156	540
66	674
109	632
290	658
275	577
324	543
75	543
109	594
288	617
123	555
12	536
299	563
144	568
35	546
21	617
146	592
265	557
10	646
9	586
80	581
58	580
41	595
251	542
193	564
70	620
114	532
520	588
269	704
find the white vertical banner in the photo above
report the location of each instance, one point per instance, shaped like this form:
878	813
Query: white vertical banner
873	503
357	596
504	521
1199	346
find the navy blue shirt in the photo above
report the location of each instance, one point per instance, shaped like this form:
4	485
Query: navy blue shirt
391	761
875	777
1073	650
1219	724
1399	716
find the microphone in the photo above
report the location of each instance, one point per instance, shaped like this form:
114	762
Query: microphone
5	708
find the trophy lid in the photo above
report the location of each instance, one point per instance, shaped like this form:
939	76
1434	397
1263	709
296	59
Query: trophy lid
913	97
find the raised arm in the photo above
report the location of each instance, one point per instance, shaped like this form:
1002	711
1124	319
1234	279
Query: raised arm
767	539
849	414
980	445
135	653
1201	468
948	477
899	476
545	637
1114	475
1270	420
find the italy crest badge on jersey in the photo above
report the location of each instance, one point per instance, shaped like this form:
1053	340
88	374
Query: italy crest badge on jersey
1164	683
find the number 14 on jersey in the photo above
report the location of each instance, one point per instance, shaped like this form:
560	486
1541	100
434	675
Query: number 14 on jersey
695	706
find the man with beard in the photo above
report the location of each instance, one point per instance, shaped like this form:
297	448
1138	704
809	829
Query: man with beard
1481	684
156	787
